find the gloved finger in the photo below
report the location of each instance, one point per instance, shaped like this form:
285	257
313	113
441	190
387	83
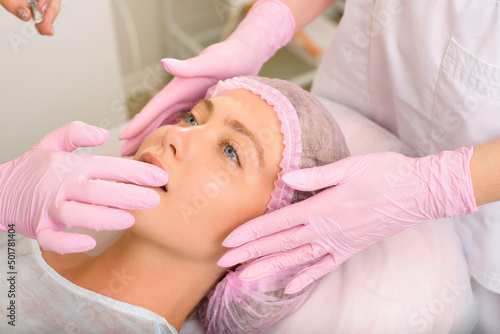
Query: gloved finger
63	242
118	195
50	10
199	66
276	221
173	94
19	8
97	218
126	170
171	116
326	176
282	241
131	146
208	63
311	274
151	117
73	135
274	263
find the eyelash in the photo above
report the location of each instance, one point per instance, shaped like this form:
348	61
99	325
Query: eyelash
186	112
227	142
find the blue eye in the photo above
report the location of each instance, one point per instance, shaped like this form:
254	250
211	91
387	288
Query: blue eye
190	120
231	152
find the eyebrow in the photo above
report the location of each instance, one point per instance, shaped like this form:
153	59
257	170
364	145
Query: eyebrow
208	104
240	128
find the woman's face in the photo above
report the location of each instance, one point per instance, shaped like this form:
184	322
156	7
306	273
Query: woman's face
222	159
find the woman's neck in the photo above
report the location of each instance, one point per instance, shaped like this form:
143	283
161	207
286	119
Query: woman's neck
135	271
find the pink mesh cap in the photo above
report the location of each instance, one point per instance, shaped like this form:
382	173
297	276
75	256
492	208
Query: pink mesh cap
311	138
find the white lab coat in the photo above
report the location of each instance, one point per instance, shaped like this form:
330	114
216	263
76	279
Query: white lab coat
429	72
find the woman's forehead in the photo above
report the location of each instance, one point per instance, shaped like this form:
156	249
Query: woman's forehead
238	95
241	102
248	108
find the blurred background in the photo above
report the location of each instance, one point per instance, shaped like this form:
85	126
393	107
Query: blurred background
103	63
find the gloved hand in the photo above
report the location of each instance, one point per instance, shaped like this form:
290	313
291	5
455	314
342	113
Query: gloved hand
48	188
268	26
375	196
48	8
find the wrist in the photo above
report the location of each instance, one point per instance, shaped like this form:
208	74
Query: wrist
485	173
449	182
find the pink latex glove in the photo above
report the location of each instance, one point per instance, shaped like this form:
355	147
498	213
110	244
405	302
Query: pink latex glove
48	188
375	196
268	26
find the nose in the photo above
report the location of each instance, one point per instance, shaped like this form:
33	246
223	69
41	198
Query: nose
176	141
